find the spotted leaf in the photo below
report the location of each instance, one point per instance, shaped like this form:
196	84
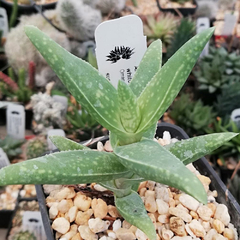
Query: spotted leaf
167	82
129	111
151	161
191	149
131	207
148	67
91	89
64	144
70	167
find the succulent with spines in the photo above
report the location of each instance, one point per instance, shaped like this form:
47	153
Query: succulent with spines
36	148
136	156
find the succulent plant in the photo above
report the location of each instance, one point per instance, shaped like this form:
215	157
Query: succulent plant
24	235
36	148
130	113
234	187
11	146
107	6
228	100
192	116
180	1
162	26
218	70
184	31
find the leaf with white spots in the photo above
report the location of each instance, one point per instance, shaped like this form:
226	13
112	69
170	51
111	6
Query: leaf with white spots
151	161
132	209
128	108
148	67
91	89
191	149
70	167
166	84
64	144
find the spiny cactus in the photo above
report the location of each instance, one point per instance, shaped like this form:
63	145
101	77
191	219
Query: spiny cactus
78	19
162	26
192	116
184	31
36	148
24	235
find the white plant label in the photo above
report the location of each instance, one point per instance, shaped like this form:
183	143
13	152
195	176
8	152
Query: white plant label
54	132
203	24
63	100
120	46
16	121
32	221
235	116
4	161
3	22
230	22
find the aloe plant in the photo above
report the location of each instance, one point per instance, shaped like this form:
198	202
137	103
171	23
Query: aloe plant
130	113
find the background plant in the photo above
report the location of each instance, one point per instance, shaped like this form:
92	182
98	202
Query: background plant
130	113
192	116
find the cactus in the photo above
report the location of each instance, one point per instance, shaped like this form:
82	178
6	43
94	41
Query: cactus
14	13
180	1
36	148
13	85
108	6
78	19
31	74
184	31
24	235
162	26
192	116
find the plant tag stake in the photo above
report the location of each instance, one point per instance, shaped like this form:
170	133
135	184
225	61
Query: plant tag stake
203	24
235	116
120	46
230	22
4	161
16	121
54	132
3	22
63	100
32	221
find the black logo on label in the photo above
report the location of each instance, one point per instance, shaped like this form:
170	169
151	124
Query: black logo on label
120	52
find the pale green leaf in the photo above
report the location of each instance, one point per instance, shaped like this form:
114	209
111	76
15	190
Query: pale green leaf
64	144
91	89
166	84
192	149
129	110
70	167
131	207
153	162
148	67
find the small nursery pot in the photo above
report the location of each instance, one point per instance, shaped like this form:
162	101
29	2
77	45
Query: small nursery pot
202	166
184	11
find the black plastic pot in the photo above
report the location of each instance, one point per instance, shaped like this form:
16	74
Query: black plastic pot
184	11
202	166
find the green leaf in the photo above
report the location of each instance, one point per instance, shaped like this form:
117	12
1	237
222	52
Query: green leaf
191	149
131	207
70	167
153	162
64	144
148	67
166	84
129	110
91	89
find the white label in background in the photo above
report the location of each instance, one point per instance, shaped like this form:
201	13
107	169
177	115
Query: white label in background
4	161
230	22
63	100
54	132
120	46
203	24
16	121
32	221
3	22
235	116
